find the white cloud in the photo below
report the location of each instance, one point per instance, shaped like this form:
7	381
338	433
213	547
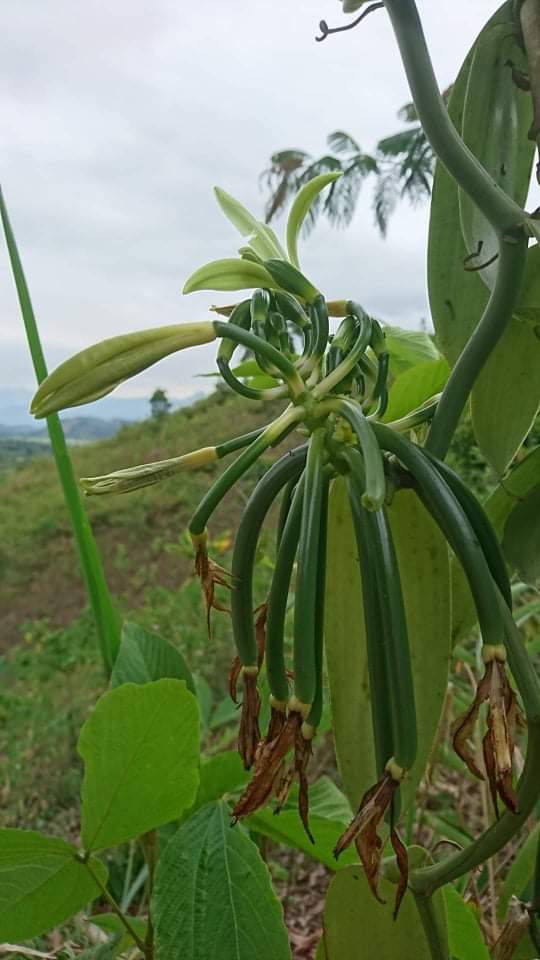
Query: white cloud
119	118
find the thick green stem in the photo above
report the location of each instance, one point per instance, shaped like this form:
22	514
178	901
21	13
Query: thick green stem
436	934
499	209
245	545
107	621
270	436
287	369
496	316
504	215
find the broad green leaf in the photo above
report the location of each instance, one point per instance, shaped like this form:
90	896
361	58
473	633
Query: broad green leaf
231	274
219	776
414	386
205	698
329	814
140	746
457	297
260	236
219	870
424	564
506	396
300	208
407	348
520	872
357	927
518	483
286	828
42	883
497	117
464	933
521	540
145	656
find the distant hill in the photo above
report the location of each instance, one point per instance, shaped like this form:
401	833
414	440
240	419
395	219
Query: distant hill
14	406
140	534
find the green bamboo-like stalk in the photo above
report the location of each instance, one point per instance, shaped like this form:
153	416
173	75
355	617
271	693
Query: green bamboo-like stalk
107	620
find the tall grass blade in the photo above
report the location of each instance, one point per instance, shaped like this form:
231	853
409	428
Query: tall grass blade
107	620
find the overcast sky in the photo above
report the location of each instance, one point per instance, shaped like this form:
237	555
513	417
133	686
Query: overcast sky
117	120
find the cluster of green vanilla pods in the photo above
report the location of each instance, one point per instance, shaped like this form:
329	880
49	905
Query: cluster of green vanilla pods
336	388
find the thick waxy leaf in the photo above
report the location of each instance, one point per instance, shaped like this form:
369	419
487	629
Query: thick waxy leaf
414	386
528	306
506	396
356	927
41	883
140	746
521	540
497	117
260	236
407	348
457	297
424	564
228	274
464	933
300	208
515	488
237	915
145	656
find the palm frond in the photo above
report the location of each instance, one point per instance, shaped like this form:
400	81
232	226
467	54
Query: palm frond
342	142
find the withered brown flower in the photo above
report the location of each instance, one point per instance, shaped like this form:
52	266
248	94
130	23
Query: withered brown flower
260	634
269	777
249	734
503	717
363	832
210	574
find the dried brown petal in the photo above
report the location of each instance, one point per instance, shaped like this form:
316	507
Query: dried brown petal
302	755
402	858
211	575
260	631
503	717
463	727
250	734
268	766
234	673
278	719
363	831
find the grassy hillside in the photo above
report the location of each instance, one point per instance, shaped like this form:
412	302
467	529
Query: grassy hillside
140	534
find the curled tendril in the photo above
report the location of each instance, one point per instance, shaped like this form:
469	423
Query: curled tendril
326	30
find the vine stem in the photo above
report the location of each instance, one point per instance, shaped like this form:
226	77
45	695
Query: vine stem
504	215
436	935
115	907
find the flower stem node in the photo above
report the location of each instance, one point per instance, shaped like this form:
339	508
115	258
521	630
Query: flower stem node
296	706
492	652
395	771
308	731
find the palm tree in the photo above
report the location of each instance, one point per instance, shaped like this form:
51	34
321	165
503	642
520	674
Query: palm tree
402	165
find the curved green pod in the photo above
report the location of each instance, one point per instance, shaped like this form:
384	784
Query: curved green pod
271	435
279	594
450	516
375	485
245	545
377	661
305	673
394	657
481	526
315	714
